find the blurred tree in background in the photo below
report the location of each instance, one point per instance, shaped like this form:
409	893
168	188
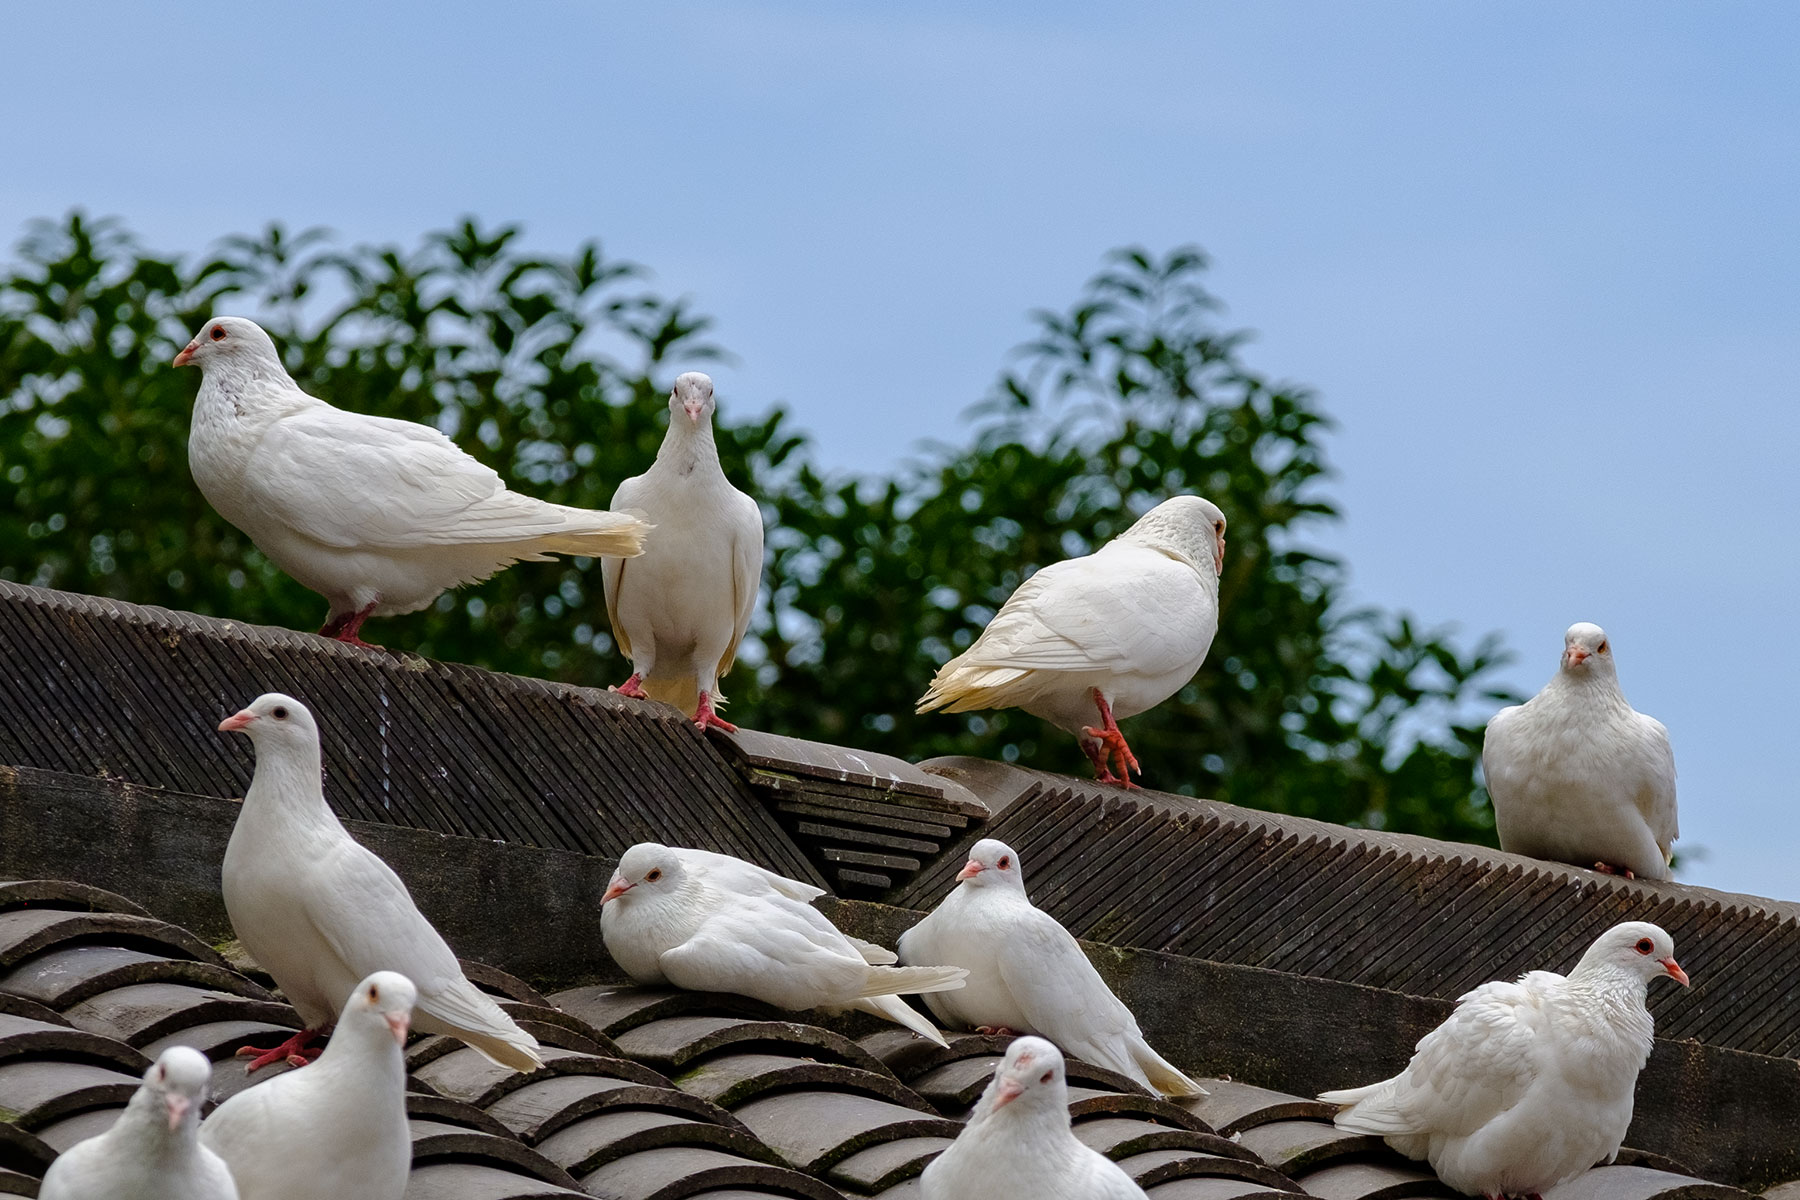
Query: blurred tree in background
554	370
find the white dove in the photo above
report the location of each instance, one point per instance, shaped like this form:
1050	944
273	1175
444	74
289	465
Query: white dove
1527	1084
1027	973
1119	631
1018	1141
1577	775
377	515
713	923
680	610
153	1150
319	912
337	1130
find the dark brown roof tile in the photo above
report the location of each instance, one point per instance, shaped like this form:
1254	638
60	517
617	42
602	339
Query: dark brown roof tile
732	1079
878	1167
1299	1144
1393	1179
813	1130
680	1172
671	1043
1232	1107
595	1139
1640	1183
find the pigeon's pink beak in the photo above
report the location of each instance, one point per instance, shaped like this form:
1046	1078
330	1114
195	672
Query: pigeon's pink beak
970	870
694	409
398	1024
178	1108
237	722
618	887
1675	972
1575	656
187	354
1010	1090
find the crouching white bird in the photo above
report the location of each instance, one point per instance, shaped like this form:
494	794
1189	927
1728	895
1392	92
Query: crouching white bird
377	515
1527	1084
153	1150
1116	632
337	1130
680	609
1579	776
1018	1141
1027	973
319	912
712	923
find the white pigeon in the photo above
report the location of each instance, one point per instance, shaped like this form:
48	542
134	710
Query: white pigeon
319	912
1117	631
712	923
337	1130
377	515
153	1151
680	609
1577	775
1027	973
1527	1084
1018	1141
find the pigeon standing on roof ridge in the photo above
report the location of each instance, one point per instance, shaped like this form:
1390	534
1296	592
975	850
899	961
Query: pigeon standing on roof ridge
1577	775
1018	1141
712	923
1115	632
679	610
1526	1085
338	1129
153	1151
377	515
320	912
1027	974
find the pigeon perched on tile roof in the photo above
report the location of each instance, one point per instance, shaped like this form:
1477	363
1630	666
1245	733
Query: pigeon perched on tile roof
680	609
153	1151
1577	775
1018	1141
337	1130
1527	1084
377	515
684	917
1115	632
1027	973
319	912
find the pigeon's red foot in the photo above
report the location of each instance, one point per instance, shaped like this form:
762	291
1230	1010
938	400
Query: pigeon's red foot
705	718
996	1031
633	687
346	626
296	1051
1113	760
1609	869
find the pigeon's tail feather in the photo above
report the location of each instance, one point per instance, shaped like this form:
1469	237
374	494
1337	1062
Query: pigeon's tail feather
913	981
520	1056
466	1013
594	533
900	1013
1368	1110
965	688
1162	1075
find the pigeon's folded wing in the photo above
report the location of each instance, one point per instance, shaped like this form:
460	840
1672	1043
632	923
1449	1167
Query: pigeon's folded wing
1656	798
746	568
1127	608
756	952
736	874
351	480
1060	992
365	914
1467	1071
626	499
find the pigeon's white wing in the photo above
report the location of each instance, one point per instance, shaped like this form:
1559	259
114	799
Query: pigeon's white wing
745	518
351	480
1107	1180
761	950
1467	1071
1126	608
1656	798
733	875
627	497
1060	992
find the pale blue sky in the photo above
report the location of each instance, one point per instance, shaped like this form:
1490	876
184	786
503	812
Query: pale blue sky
1540	260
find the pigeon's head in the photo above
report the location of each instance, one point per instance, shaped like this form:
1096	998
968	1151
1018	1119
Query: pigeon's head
1635	948
384	999
691	399
1585	649
274	720
1030	1079
179	1078
230	341
993	863
1191	527
654	868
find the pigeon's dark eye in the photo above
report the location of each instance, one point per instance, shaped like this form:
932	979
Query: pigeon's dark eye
1603	647
653	876
218	333
280	712
1645	946
374	993
1047	1076
1005	862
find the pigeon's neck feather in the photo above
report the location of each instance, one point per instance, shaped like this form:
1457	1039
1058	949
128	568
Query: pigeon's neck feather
364	1053
287	790
142	1131
687	447
1601	1012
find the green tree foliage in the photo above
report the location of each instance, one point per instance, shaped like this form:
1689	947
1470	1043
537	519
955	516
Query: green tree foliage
554	370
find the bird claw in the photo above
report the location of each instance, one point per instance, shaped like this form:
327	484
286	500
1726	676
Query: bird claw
297	1051
633	687
1609	869
996	1031
1111	753
705	718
